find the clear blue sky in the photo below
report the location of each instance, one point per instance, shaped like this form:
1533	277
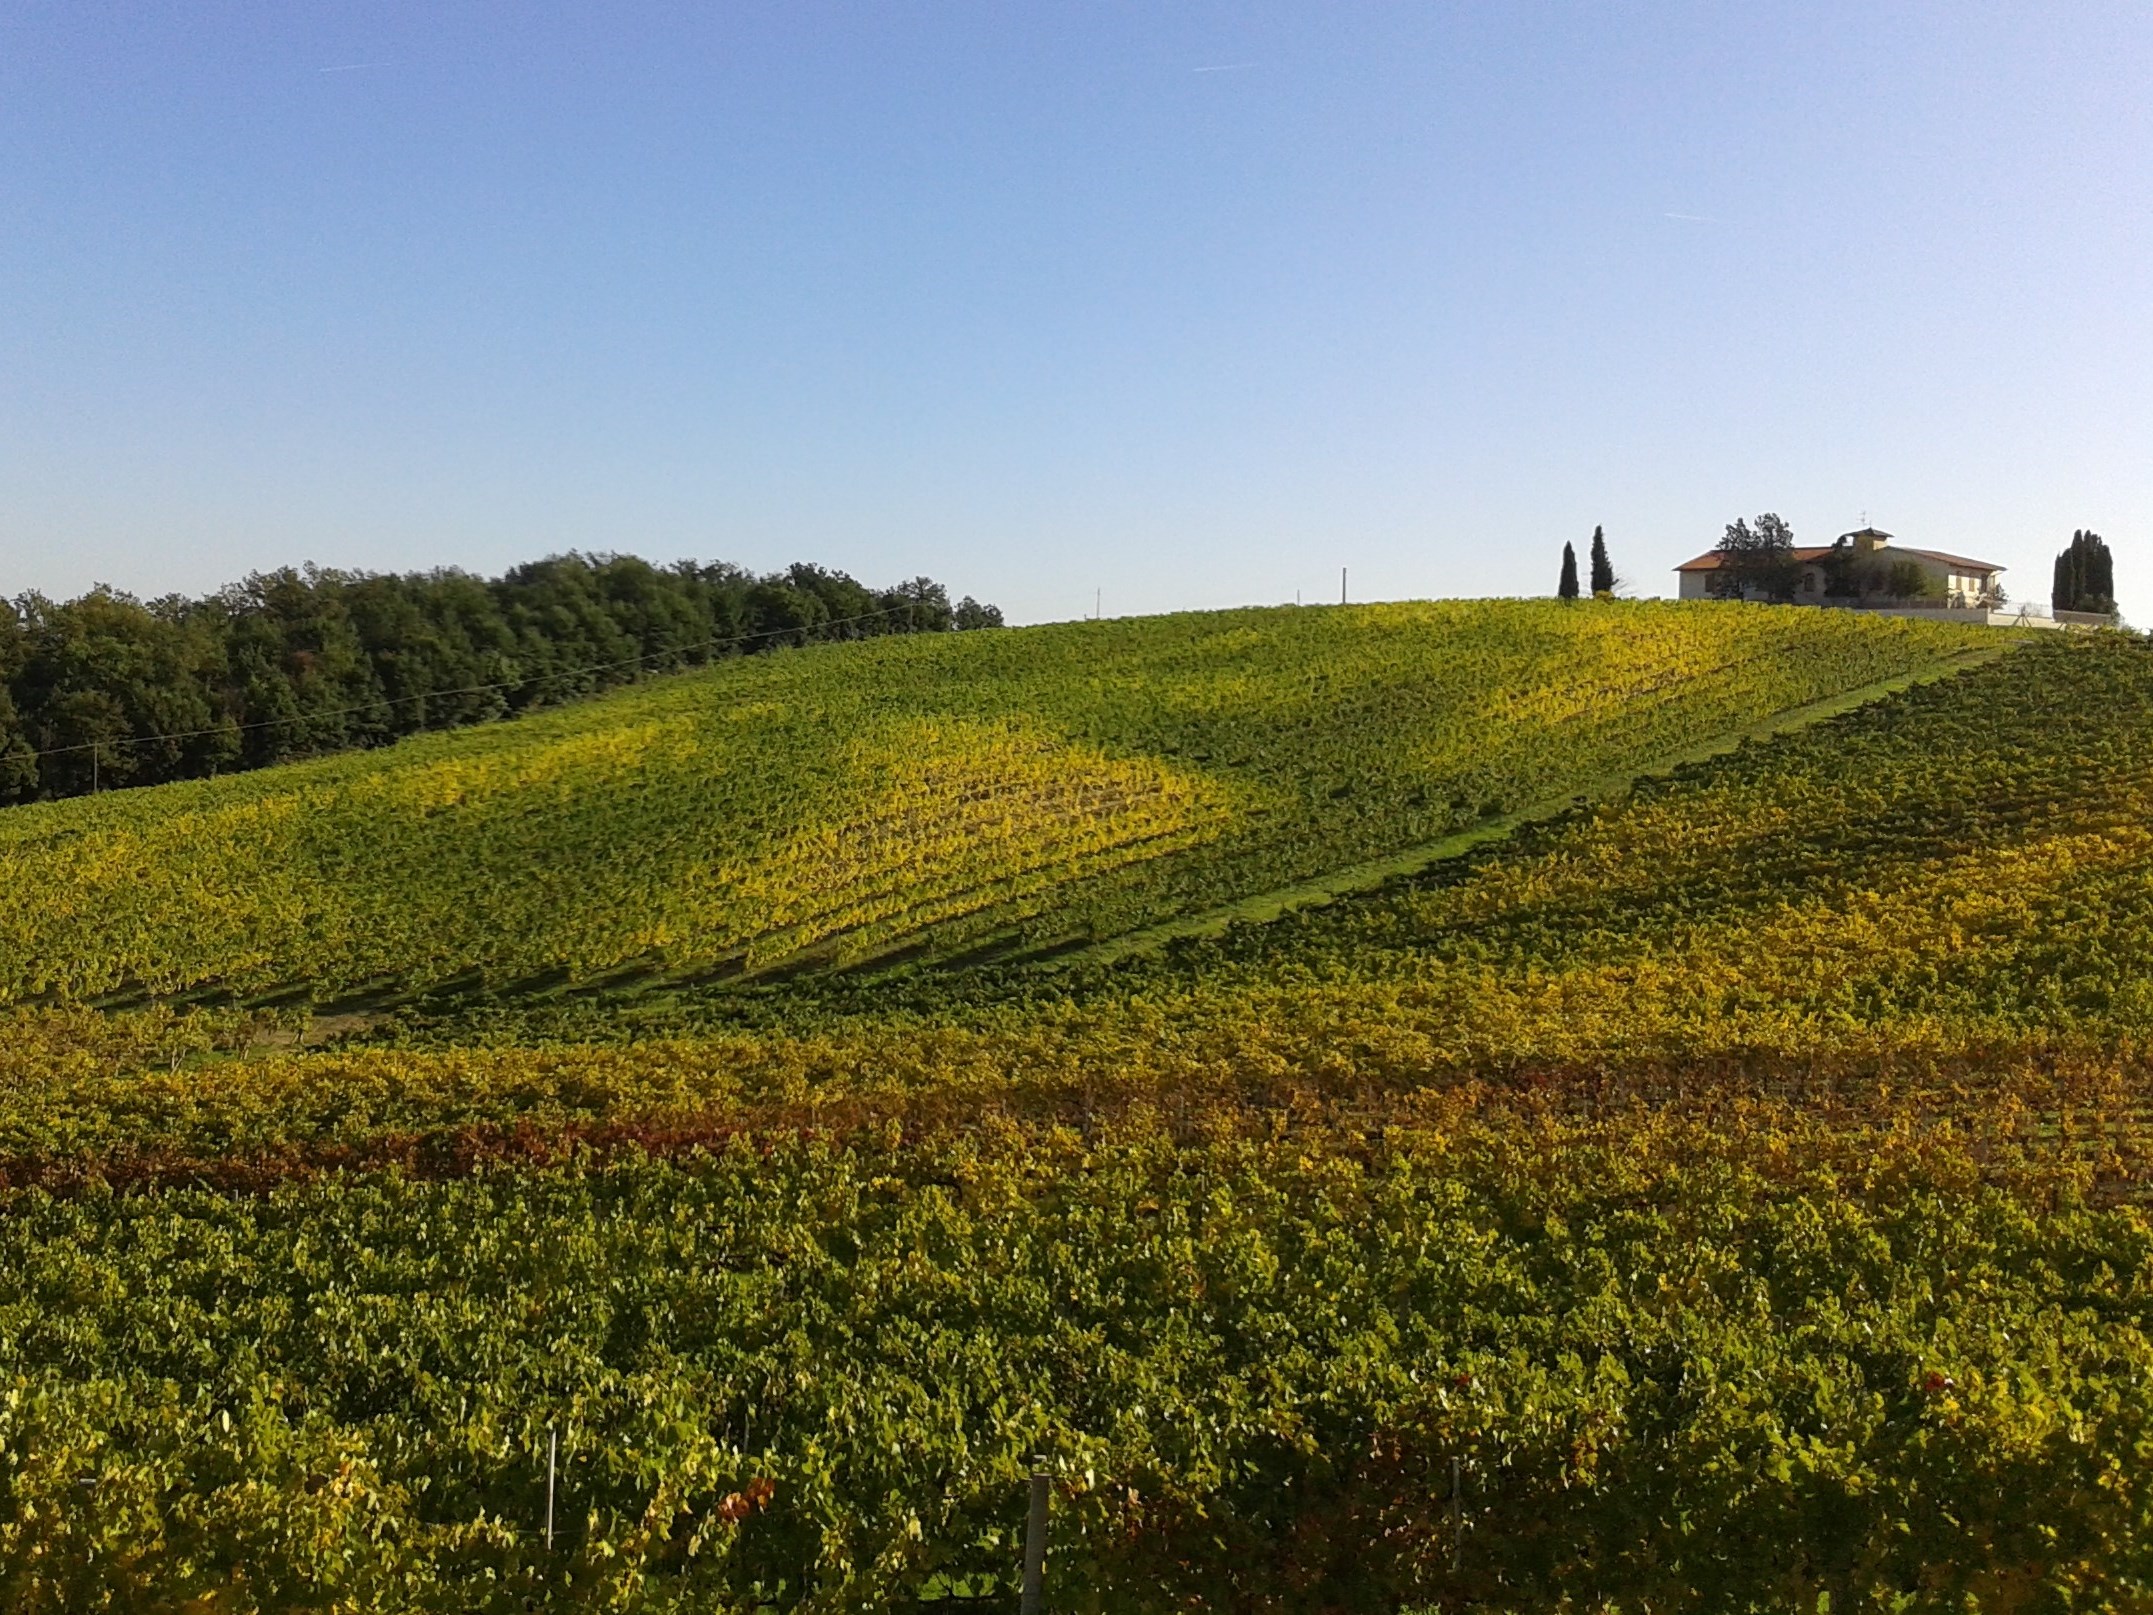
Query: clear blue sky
1192	304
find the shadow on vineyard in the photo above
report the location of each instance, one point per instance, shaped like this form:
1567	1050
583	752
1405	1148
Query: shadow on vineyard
698	1150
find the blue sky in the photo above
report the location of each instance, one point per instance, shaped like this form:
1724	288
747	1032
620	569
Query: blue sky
1188	305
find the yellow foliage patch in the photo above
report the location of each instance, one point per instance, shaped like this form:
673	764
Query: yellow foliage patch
944	817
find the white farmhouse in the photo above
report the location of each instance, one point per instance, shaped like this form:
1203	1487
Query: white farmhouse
1865	569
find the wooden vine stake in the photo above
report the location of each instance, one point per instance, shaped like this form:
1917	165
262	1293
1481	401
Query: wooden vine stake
1035	1542
553	1452
1457	1516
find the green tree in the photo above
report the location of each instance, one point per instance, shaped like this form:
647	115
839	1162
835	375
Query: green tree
18	758
2085	578
140	682
1603	570
1907	581
1567	588
781	614
297	662
1844	576
89	746
18	754
1756	563
921	606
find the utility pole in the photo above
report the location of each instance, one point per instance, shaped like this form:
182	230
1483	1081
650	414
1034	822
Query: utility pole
1341	585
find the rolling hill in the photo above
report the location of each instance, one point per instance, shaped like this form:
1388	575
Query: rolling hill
1937	903
1012	792
1413	1108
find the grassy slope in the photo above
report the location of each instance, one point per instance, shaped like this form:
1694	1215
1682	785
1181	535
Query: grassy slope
1023	789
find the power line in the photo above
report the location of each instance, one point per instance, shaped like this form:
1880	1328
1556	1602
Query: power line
467	689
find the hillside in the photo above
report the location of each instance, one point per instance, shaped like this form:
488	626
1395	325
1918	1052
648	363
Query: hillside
1728	1192
1968	863
1944	893
1022	790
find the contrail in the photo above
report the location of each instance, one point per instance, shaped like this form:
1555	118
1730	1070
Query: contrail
351	67
1693	218
1223	67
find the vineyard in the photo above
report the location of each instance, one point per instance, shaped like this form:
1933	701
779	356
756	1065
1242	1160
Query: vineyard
1014	790
1671	1372
1697	1176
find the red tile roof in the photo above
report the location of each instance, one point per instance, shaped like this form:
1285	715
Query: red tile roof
1709	561
1963	563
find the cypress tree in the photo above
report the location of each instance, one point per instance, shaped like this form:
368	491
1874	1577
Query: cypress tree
1567	588
2085	578
1603	570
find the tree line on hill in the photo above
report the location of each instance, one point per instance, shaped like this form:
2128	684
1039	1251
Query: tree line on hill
109	690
